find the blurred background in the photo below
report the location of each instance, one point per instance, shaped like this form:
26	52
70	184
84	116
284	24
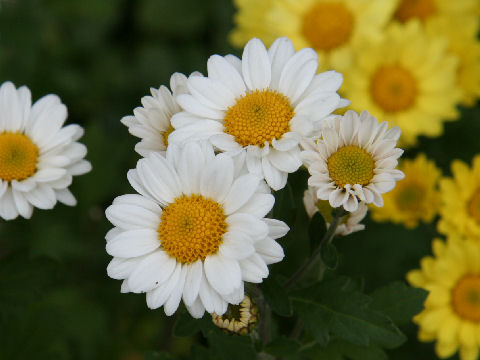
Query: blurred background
101	57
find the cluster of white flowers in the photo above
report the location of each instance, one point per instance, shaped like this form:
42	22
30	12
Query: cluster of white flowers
214	148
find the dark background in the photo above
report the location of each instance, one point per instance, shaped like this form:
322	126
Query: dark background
101	57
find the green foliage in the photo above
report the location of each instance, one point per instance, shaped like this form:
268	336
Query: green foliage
316	229
276	296
335	306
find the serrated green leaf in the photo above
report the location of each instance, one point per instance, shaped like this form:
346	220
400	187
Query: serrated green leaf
329	255
399	301
316	229
277	297
186	325
332	307
230	347
283	347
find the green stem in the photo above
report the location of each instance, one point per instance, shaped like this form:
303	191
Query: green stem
327	238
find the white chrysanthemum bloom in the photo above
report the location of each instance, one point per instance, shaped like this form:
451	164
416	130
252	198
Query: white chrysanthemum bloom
196	231
38	155
151	122
263	104
354	160
350	222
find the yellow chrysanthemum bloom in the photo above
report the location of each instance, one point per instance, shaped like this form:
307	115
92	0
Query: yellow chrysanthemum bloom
408	79
459	22
452	309
460	197
328	26
414	198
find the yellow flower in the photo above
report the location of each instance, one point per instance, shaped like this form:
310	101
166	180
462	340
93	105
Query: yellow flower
414	198
460	197
459	22
452	309
408	79
328	26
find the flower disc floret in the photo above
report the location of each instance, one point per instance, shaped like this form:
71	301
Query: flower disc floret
421	9
258	117
18	157
466	298
327	25
351	165
191	228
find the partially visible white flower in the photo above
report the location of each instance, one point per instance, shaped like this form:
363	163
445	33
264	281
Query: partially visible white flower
350	222
38	155
151	121
354	160
263	104
196	232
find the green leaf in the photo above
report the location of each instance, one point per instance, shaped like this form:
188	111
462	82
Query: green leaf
186	325
154	355
316	229
230	347
283	347
329	255
399	301
276	297
339	350
335	307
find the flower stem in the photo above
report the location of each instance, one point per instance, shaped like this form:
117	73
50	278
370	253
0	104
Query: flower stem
327	238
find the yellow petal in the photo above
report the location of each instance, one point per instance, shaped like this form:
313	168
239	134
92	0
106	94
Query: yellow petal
445	349
470	353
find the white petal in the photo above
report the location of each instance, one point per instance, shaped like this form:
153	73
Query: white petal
223	71
279	53
212	301
270	251
256	66
211	93
217	178
24	208
132	217
240	193
223	274
42	197
276	228
274	177
159	295
254	269
236	245
196	309
133	243
249	224
193	280
259	205
8	209
120	268
152	271
287	161
171	305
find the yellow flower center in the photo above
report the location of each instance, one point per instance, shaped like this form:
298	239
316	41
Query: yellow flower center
327	25
18	156
474	206
393	88
409	197
420	9
351	165
466	298
259	116
166	134
191	228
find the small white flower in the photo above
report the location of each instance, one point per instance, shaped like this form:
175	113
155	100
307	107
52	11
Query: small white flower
354	160
151	122
38	155
196	231
263	104
350	222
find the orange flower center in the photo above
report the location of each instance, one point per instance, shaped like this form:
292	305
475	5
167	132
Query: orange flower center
421	9
351	165
474	206
18	157
466	298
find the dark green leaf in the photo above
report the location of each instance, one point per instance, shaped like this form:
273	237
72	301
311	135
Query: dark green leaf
339	350
186	325
316	229
333	307
230	347
283	347
276	297
329	255
399	301
163	355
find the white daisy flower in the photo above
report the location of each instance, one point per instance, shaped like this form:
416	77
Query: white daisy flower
263	104
38	155
151	122
350	223
196	231
354	160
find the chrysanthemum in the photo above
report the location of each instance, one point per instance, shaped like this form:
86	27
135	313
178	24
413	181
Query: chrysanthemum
460	200
196	231
328	26
452	308
457	21
38	156
408	79
354	160
350	222
263	105
151	122
415	198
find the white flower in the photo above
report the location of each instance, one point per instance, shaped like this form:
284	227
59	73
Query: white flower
354	160
263	104
350	222
38	156
196	231
151	123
